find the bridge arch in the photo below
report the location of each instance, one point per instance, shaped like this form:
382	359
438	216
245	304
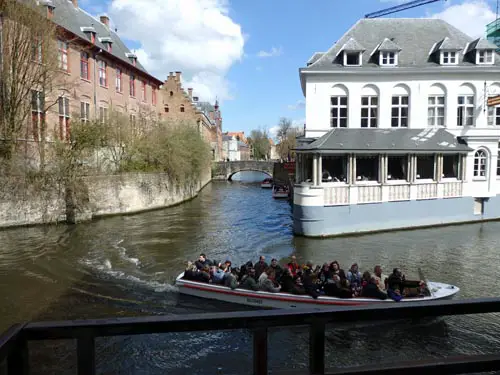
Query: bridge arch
233	172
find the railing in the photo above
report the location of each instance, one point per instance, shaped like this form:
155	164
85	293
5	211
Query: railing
336	195
369	194
493	26
14	343
452	189
399	192
427	191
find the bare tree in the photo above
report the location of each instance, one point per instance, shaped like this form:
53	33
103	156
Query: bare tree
29	73
286	135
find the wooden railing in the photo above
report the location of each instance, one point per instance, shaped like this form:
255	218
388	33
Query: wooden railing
14	342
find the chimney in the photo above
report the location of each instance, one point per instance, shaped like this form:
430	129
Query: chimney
104	18
178	76
190	92
75	3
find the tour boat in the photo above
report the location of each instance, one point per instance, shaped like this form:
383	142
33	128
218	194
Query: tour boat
286	301
280	192
267	183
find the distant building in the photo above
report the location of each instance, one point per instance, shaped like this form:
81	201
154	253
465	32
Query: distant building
493	33
234	150
240	136
180	105
244	150
273	151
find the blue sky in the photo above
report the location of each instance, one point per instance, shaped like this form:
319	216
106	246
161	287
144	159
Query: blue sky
247	53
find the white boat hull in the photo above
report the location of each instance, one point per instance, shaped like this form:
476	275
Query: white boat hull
266	185
288	301
280	195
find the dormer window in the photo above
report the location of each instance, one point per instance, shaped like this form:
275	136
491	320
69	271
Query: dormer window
132	57
485	57
449	58
388	58
90	33
352	58
108	43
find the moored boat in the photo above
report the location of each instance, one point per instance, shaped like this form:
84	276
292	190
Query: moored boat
267	183
280	192
286	301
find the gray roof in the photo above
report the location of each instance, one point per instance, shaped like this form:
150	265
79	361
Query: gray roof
314	57
388	45
482	44
448	44
352	45
417	37
392	140
74	19
226	138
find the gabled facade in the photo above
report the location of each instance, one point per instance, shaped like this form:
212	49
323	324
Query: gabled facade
397	116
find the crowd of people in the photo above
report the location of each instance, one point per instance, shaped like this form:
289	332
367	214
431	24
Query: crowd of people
329	279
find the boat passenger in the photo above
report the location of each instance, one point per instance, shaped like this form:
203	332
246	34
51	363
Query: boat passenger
395	285
381	278
202	261
244	269
226	267
325	275
354	277
335	267
371	290
216	275
308	278
288	285
265	281
260	266
365	280
231	280
278	271
248	281
293	266
344	291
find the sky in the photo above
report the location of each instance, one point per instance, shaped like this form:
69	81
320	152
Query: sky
247	53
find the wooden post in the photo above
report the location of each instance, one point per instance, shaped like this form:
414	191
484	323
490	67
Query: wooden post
317	348
85	347
260	351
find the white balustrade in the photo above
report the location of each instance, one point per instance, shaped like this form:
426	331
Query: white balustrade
452	189
336	195
399	192
369	194
427	191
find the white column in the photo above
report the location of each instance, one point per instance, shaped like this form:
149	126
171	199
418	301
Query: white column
320	169
352	169
297	170
315	170
438	160
463	167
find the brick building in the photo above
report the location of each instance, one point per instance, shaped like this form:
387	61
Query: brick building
180	105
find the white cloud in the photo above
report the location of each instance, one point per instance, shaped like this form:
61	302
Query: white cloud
300	104
470	16
299	123
196	37
273	52
273	131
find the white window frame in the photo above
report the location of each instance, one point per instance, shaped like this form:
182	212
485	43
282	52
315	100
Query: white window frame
360	56
480	170
37	110
64	116
118	80
369	107
494	115
463	109
385	58
102	68
433	119
84	111
486	55
103	114
339	107
449	58
400	106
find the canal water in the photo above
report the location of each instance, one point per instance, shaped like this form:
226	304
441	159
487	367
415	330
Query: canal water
125	266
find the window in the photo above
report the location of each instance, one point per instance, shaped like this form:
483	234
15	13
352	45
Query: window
352	58
84	65
484	57
448	58
37	113
109	47
132	121
498	161
103	79
182	107
388	58
399	112
143	91
63	55
397	167
435	110
153	95
64	130
92	37
450	166
36	51
132	85
369	111
103	115
465	110
334	169
367	168
425	167
166	109
118	80
171	93
480	160
84	112
338	111
494	115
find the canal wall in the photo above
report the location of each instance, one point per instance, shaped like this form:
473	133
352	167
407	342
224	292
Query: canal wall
95	196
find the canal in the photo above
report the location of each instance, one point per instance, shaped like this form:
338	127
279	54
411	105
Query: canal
125	266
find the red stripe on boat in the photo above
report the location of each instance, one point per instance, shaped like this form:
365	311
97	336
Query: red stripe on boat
278	298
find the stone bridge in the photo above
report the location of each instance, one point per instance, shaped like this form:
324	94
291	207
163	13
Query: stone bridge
224	170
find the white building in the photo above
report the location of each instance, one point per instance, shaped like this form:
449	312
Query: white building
398	132
234	150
